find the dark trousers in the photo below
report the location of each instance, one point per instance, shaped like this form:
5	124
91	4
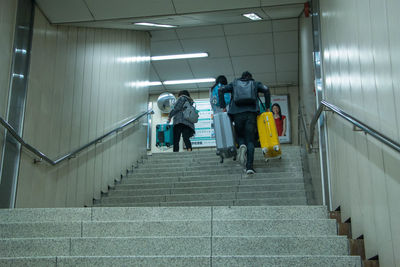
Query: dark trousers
186	132
245	126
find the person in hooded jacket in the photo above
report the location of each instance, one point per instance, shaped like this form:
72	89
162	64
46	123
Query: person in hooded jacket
245	115
181	125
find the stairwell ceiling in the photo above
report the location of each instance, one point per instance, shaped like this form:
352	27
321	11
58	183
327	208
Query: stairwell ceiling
267	48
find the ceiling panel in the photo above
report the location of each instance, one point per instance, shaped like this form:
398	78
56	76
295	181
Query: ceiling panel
287	77
286	62
253	64
200	32
241	45
153	74
211	67
285	25
281	12
248	28
165	35
216	47
59	11
166	48
106	9
189	6
173	70
286	42
267	78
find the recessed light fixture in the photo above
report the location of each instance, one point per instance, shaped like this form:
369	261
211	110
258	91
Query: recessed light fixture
204	80
180	56
252	16
154	25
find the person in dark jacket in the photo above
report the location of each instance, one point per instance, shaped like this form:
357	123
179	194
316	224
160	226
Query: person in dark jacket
181	125
245	116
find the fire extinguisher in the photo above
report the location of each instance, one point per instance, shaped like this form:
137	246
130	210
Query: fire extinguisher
307	9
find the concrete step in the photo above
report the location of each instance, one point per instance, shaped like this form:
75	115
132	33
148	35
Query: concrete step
228	182
242	177
289	260
145	228
259	168
287	201
119	261
217	165
205	189
160	213
208	213
205	196
45	214
237	170
215	158
285	149
183	246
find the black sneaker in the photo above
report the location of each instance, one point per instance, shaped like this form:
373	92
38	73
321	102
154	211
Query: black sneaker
250	171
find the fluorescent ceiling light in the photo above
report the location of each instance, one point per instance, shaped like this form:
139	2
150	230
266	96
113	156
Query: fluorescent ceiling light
142	84
204	80
132	59
252	16
180	56
154	25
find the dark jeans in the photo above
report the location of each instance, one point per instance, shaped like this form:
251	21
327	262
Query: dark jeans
245	126
186	132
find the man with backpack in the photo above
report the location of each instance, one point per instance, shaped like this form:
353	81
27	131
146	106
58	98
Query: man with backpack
244	109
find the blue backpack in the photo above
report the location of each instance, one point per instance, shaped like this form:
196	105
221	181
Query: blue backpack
214	99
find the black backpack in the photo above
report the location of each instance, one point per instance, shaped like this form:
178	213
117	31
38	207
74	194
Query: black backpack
244	92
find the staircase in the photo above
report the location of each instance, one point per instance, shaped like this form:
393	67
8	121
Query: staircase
198	179
184	209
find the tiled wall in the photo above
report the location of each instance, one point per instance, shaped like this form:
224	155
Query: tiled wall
361	57
79	88
7	24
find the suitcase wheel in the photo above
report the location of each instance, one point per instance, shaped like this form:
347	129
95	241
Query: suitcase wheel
280	157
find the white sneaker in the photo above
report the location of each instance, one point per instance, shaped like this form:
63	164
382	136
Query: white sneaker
242	155
250	171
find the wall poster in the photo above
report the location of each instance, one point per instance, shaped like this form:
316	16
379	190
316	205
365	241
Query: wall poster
204	136
280	109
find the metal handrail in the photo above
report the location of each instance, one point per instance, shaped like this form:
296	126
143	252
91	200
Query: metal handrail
303	123
72	154
365	128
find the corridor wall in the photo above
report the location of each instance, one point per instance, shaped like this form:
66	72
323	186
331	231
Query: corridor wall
83	82
7	24
361	59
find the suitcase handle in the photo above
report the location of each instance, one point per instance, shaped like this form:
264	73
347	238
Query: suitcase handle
269	126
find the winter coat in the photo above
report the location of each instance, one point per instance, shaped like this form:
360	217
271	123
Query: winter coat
177	112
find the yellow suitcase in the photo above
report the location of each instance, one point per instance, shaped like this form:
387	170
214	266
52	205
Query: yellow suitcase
268	135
